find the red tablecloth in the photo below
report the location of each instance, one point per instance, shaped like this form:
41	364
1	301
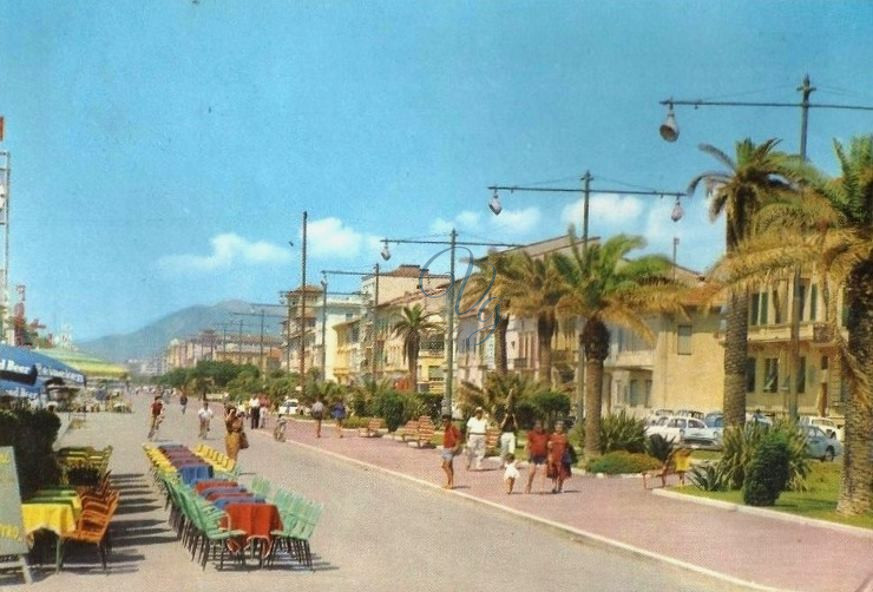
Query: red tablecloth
201	485
254	519
229	494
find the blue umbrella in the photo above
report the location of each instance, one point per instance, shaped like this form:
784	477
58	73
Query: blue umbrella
15	362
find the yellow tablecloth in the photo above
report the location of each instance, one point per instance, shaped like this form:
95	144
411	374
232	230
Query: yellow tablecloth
60	518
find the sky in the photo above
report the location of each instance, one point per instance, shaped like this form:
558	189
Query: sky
163	152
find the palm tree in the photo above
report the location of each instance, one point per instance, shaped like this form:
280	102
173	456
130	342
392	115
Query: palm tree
604	287
757	175
535	288
831	230
499	393
487	289
413	325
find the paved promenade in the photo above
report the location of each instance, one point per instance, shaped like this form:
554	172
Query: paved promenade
377	533
766	551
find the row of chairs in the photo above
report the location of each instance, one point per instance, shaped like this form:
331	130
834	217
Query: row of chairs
86	457
199	524
223	466
98	507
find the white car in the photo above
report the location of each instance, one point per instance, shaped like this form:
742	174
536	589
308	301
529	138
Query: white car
827	425
688	430
820	445
289	407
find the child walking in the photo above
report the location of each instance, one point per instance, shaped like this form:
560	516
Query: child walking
510	474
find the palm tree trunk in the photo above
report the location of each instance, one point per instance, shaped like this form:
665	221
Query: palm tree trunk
856	488
413	370
500	359
595	340
545	330
735	355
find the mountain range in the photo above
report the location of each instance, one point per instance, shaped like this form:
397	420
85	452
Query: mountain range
152	339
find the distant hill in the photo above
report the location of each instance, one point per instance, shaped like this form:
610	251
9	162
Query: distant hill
154	337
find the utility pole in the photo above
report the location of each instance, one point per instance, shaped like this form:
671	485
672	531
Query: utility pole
797	293
323	327
450	334
377	344
302	361
5	182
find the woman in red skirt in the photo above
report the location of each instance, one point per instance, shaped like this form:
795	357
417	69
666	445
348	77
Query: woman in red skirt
559	458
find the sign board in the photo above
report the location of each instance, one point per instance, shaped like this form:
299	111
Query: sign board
11	528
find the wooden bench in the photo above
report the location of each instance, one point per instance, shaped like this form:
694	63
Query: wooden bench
410	430
677	463
373	427
426	431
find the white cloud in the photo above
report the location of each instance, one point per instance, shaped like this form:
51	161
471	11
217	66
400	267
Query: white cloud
517	221
227	248
604	208
466	220
331	237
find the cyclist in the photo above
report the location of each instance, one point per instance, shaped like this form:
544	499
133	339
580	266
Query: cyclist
156	416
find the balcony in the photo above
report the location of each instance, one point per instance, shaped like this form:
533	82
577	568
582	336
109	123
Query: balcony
642	358
519	363
822	333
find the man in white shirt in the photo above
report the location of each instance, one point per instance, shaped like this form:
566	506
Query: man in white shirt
205	416
255	411
476	428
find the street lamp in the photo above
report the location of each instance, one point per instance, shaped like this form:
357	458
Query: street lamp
450	294
494	205
669	130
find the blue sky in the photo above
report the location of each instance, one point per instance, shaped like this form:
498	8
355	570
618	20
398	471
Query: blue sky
163	151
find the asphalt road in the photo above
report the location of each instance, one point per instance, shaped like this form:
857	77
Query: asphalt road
377	532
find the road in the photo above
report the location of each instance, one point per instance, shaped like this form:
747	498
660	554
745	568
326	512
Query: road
377	532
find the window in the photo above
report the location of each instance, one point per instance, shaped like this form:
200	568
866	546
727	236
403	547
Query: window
777	308
750	375
634	395
758	309
435	373
801	376
813	302
803	287
683	346
648	393
771	375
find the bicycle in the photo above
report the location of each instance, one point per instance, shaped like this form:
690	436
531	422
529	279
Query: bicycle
279	430
156	424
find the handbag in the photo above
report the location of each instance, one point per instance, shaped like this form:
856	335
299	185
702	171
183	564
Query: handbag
243	441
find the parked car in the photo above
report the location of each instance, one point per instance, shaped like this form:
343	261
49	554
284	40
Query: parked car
819	445
715	422
688	430
689	413
656	415
289	407
828	426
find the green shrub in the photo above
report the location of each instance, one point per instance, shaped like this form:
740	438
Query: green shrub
550	406
767	474
354	422
430	404
659	447
622	462
618	431
740	446
708	477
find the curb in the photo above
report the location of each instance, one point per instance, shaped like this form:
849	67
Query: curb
587	537
776	515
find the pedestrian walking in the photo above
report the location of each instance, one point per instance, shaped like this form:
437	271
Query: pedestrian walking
157	415
510	473
537	452
508	428
476	431
204	415
339	414
255	411
560	459
451	448
183	400
317	413
235	439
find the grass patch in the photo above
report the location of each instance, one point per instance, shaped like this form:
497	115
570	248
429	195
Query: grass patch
706	454
818	501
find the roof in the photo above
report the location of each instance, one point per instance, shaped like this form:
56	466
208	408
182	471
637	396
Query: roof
703	293
410	270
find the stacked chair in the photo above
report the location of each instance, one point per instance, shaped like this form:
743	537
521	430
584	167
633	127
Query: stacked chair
99	505
299	519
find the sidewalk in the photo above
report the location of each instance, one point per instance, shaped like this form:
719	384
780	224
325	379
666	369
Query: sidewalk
757	549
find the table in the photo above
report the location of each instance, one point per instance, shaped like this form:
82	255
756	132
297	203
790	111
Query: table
257	520
56	515
208	483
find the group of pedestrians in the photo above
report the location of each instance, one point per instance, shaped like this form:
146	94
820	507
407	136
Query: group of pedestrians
548	454
338	412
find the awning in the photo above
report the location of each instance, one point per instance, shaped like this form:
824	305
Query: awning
17	358
94	368
19	390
